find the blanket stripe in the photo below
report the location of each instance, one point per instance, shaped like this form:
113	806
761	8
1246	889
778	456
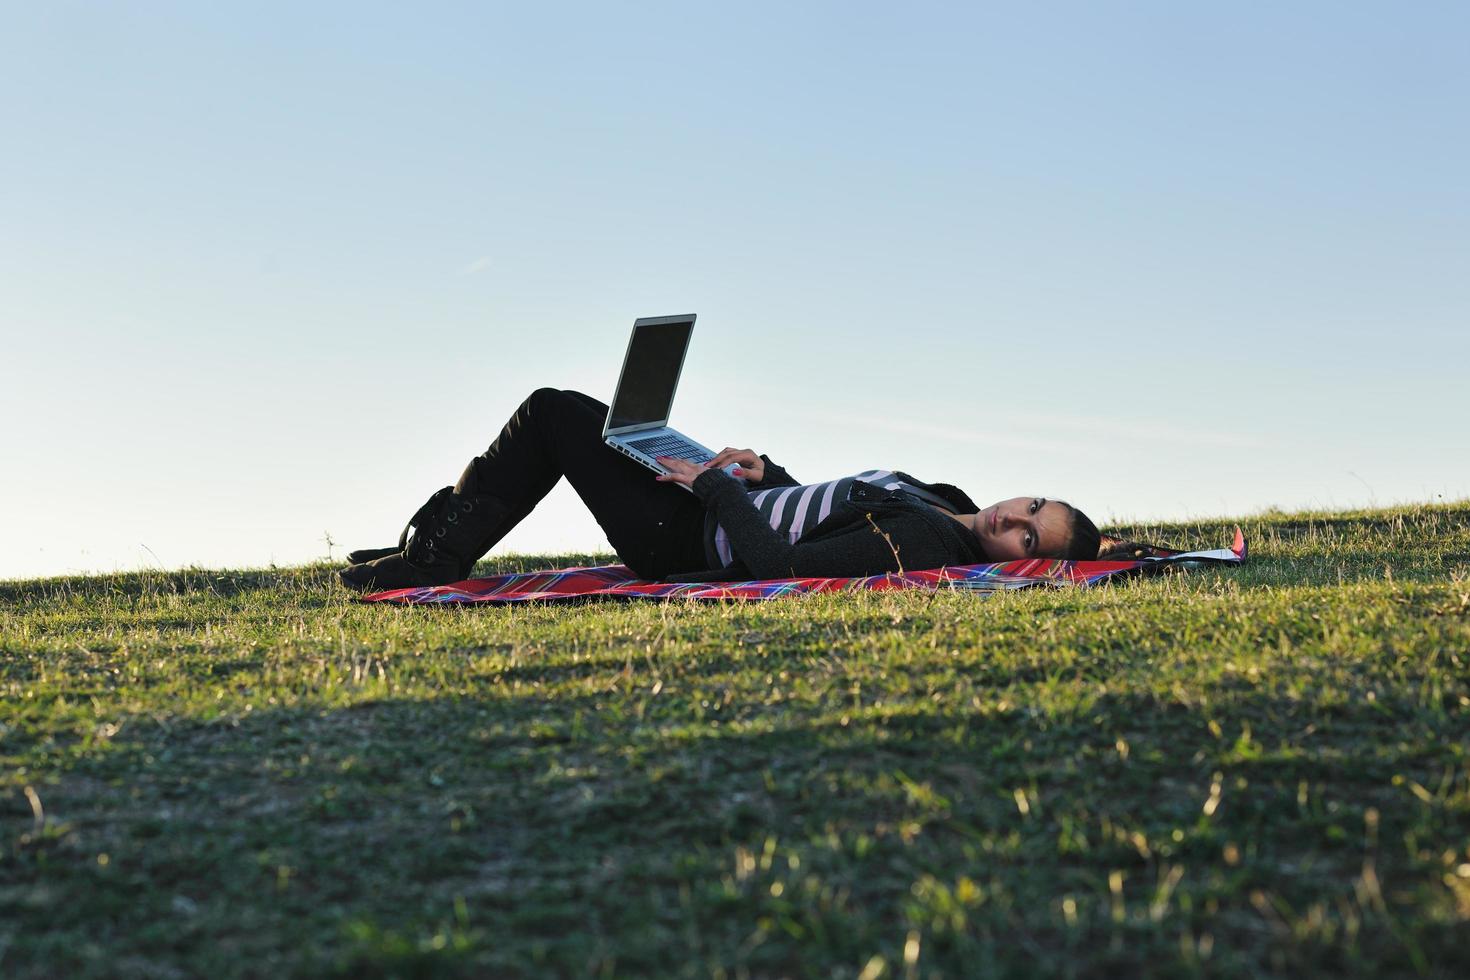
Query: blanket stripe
617	582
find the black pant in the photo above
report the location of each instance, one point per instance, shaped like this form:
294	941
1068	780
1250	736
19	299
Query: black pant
656	528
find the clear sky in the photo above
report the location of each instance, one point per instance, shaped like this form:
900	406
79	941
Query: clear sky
274	271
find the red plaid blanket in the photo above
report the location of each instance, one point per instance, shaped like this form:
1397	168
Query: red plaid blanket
617	582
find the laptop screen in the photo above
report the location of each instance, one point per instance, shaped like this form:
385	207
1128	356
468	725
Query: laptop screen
650	373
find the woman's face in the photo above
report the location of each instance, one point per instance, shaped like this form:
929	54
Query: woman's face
1024	527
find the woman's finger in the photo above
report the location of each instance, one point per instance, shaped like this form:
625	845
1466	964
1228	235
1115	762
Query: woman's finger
680	471
742	456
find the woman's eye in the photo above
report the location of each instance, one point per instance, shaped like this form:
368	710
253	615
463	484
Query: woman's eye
1028	542
1033	506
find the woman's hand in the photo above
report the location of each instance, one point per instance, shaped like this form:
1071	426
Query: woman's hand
680	470
752	467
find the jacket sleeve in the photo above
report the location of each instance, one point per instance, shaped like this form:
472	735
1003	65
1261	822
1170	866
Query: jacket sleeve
769	555
775	476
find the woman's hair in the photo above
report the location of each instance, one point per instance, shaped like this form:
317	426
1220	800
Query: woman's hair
1113	548
1086	539
1089	544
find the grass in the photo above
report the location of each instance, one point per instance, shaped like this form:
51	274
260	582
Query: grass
1233	773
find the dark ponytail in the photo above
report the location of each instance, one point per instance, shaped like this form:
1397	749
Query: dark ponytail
1112	548
1089	544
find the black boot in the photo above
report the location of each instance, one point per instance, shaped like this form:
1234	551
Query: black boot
363	555
449	535
368	554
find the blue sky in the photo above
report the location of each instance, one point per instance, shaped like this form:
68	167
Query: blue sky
270	272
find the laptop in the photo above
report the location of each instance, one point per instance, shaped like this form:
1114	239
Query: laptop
638	418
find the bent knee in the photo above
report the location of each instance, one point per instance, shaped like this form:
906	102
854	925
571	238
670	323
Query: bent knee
563	400
559	408
547	401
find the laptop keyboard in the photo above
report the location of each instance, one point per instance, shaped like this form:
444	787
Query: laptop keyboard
669	446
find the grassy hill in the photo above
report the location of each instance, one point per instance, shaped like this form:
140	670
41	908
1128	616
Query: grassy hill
245	773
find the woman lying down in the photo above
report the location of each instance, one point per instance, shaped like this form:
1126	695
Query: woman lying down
754	522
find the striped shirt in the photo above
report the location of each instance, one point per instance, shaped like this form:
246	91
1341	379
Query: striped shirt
793	511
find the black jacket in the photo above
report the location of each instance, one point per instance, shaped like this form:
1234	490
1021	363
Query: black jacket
871	532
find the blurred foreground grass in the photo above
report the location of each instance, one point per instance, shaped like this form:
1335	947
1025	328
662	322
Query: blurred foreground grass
246	773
